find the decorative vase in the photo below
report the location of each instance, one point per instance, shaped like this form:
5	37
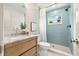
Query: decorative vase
23	31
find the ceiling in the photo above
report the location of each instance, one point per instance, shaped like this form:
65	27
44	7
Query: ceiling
43	5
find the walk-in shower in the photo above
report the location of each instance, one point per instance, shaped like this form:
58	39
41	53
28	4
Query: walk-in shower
56	27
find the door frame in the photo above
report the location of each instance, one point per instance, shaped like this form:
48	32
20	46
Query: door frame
74	31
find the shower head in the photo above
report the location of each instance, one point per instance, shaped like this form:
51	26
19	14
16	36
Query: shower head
67	8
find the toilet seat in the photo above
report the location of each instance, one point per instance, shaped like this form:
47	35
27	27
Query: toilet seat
44	44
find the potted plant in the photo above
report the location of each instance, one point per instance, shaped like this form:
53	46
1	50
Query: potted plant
23	27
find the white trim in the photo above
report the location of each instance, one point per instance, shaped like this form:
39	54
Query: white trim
74	29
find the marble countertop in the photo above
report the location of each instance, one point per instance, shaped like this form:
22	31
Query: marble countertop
10	39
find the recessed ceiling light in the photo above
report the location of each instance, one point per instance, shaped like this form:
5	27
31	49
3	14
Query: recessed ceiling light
53	6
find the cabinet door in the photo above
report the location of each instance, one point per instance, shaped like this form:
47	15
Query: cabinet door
18	48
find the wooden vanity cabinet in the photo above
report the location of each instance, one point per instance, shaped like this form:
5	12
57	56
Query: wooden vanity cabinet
26	47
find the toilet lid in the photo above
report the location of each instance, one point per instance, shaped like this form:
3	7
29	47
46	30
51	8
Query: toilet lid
44	44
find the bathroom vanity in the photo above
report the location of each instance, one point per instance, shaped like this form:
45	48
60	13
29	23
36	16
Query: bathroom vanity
26	46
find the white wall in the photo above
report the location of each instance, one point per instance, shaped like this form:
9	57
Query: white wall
12	18
1	24
32	14
1	28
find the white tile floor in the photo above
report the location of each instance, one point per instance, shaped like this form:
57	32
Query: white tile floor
49	53
77	50
54	53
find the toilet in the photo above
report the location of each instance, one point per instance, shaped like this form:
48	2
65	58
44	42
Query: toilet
44	45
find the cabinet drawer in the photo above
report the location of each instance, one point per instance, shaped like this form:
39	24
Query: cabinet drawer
20	48
31	52
35	54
